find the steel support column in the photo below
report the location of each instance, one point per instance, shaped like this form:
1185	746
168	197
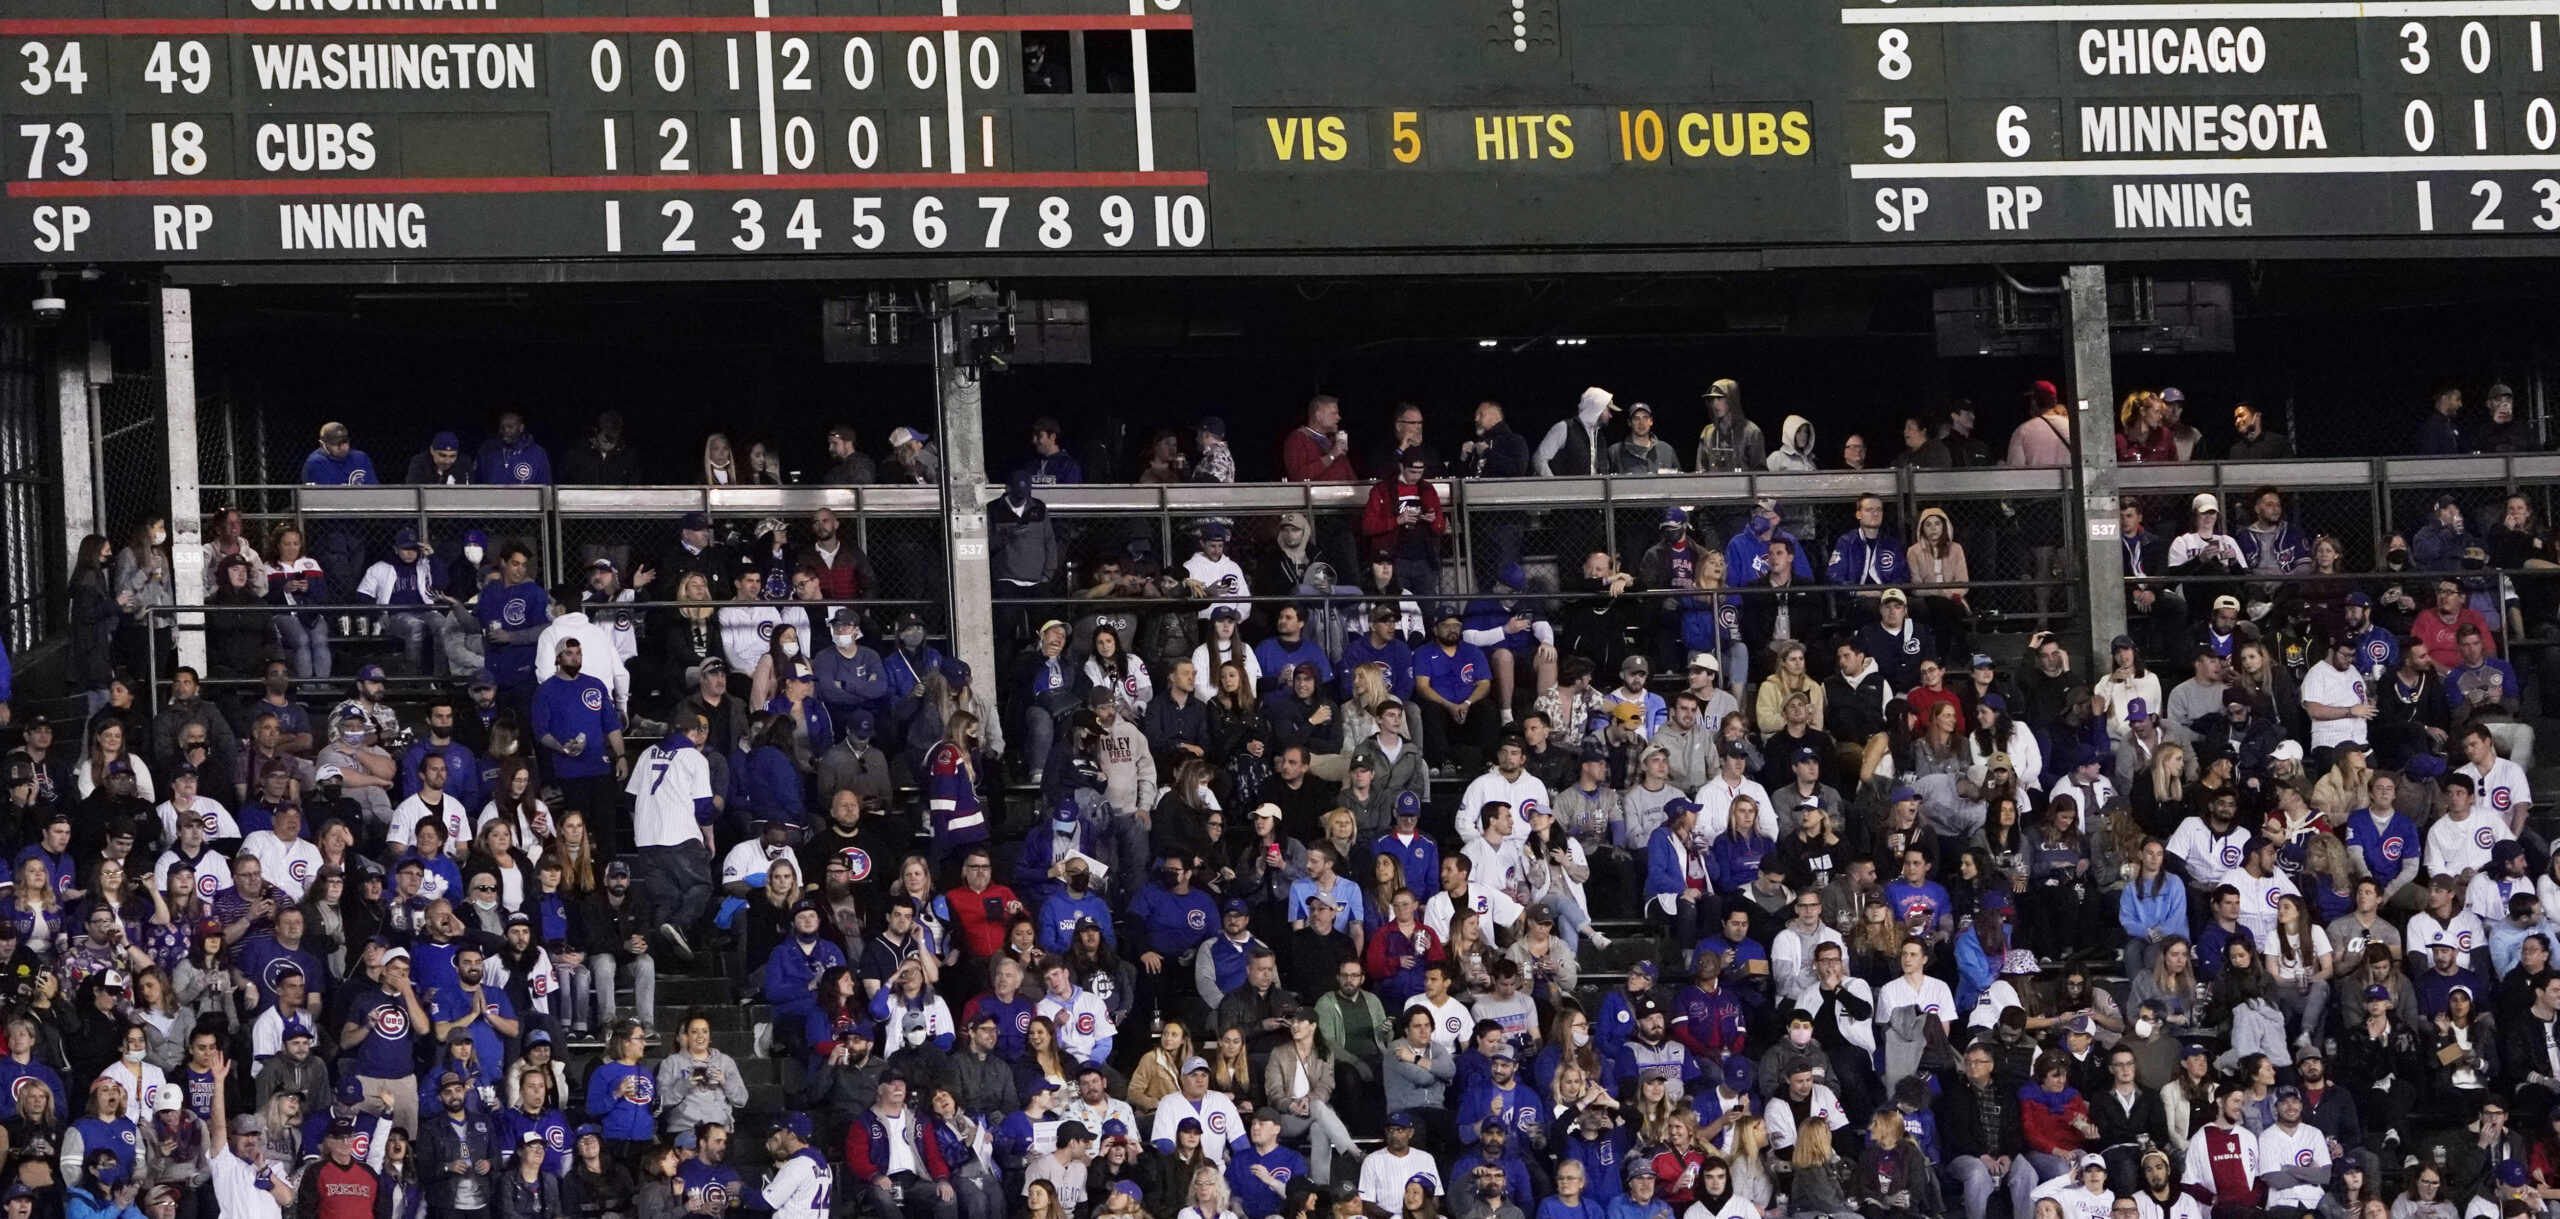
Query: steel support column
2094	436
82	514
186	499
964	488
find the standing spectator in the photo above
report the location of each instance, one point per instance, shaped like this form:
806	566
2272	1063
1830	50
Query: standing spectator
512	458
1025	555
1217	463
458	1154
2440	432
580	731
1643	452
605	460
2505	432
2255	442
671	825
1495	452
913	460
1795	447
2173	420
1383	460
2142	432
847	466
1319	451
440	465
337	462
1730	442
511	619
1048	465
1573	446
1404	520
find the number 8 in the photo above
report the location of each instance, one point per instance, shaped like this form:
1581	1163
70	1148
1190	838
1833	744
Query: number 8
1893	58
1055	232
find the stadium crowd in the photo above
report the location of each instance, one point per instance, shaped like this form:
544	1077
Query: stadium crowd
1272	880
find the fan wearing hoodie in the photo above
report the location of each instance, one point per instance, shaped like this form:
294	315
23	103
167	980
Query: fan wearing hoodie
1642	452
1572	447
1795	454
1731	442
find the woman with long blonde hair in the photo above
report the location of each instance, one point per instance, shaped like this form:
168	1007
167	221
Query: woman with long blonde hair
720	462
1820	1188
1746	1163
2159	796
2142	432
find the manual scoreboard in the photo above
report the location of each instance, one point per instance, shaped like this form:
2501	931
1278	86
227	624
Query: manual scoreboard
155	131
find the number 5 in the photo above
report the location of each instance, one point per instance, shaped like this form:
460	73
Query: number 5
1900	140
1408	136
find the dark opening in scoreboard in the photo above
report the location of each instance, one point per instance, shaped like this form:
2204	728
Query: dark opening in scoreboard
262	130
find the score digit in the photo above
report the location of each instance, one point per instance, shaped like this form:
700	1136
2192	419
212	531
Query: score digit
45	69
183	65
1893	54
177	148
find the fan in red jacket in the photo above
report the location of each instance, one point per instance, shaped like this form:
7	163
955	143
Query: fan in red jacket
896	1150
1404	517
2055	1116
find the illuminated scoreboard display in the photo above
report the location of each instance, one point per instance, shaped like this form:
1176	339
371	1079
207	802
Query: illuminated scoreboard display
370	130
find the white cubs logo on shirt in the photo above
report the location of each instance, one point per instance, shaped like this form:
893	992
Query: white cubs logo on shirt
2462	940
2274	898
716	1196
275	971
591	698
1022	1021
524	471
1197	919
556	1138
2303	1157
1911	646
355	476
1280	1173
1084	1024
389	1020
299	870
127	1136
514	613
857	862
2486	837
2231	855
644	1090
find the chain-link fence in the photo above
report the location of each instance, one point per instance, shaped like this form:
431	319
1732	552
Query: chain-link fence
133	453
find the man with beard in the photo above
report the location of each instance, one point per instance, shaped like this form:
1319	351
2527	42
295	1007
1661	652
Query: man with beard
1454	684
868	850
525	973
462	768
614	926
456	1154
